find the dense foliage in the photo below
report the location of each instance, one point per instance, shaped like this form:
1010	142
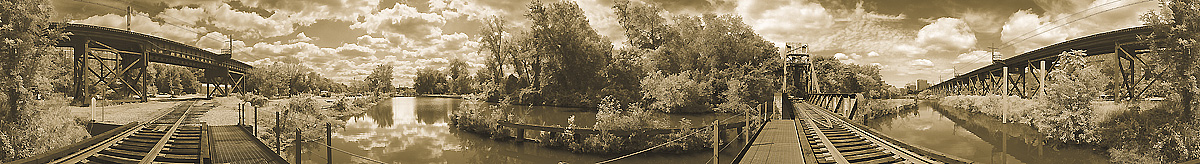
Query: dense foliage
380	80
833	76
1166	133
1065	112
174	80
283	79
31	119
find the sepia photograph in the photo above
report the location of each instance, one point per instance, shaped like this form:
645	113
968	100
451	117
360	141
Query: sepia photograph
600	81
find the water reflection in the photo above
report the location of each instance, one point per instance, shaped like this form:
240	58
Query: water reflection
979	137
416	130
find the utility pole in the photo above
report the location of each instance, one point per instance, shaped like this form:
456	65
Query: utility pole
129	17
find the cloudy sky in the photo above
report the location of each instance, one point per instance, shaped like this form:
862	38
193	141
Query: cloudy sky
343	39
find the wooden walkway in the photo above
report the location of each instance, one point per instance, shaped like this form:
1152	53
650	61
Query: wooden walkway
779	142
233	144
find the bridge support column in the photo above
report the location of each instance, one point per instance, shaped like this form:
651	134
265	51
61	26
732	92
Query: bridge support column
1043	80
80	91
1004	80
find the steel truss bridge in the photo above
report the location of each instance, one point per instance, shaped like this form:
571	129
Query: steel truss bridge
119	60
1025	75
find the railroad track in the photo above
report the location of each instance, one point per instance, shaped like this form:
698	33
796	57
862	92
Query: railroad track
174	137
833	140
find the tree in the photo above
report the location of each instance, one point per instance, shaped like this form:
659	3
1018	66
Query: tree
459	76
566	53
428	80
30	114
380	80
643	25
492	38
1175	31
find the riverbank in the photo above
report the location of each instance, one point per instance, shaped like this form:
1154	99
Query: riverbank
1142	132
486	119
307	114
878	108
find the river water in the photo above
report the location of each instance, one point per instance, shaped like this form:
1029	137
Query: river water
979	137
417	130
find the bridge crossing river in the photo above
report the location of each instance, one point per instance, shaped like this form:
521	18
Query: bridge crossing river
818	135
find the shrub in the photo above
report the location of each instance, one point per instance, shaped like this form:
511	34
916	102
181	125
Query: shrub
677	93
1012	107
38	128
1160	134
1065	111
480	118
611	116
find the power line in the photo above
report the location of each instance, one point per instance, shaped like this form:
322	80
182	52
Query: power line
1014	40
164	22
1076	20
1059	19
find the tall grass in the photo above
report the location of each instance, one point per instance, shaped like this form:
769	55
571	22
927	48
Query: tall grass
484	119
39	128
1012	107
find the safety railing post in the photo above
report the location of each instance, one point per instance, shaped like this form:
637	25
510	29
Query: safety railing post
329	143
255	122
716	140
296	143
278	142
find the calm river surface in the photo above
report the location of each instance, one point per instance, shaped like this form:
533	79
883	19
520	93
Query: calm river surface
417	130
978	137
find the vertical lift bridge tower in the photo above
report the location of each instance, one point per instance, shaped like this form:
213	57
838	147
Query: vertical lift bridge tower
799	77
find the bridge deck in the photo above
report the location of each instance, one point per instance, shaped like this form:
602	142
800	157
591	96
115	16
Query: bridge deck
779	142
234	145
818	136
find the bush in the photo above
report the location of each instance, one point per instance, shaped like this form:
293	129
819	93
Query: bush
1160	134
480	118
1065	111
613	117
876	107
39	128
677	93
997	106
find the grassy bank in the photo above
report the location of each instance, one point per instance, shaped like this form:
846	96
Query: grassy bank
1141	132
307	114
877	107
484	119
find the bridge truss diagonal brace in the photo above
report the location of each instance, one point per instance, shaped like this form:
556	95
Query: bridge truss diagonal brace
122	76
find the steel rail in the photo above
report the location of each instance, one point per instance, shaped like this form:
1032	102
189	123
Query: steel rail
162	142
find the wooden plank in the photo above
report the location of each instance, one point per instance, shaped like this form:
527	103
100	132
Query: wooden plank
778	142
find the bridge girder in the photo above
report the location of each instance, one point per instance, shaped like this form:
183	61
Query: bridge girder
118	60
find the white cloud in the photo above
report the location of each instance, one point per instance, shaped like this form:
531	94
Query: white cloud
251	25
782	20
308	11
974	57
186	15
946	34
1026	31
143	24
301	38
403	20
920	63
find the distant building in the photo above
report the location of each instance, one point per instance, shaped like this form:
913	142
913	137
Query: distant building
922	84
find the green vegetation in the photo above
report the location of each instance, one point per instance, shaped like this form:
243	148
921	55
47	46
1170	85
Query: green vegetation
836	77
31	112
380	80
484	119
453	80
1168	132
876	108
560	60
283	79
